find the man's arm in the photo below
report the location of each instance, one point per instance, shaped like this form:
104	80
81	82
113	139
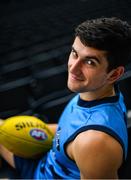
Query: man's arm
97	155
7	155
53	127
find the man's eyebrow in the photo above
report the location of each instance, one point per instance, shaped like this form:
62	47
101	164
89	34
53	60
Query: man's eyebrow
88	57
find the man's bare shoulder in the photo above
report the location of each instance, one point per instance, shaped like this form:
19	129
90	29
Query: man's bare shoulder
98	152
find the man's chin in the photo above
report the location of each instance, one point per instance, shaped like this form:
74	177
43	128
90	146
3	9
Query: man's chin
73	89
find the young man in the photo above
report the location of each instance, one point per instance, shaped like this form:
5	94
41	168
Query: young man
91	137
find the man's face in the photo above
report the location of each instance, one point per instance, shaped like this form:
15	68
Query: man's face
87	68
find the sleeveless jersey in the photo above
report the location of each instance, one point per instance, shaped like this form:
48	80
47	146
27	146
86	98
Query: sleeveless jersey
106	115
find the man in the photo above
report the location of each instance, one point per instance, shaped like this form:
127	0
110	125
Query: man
91	137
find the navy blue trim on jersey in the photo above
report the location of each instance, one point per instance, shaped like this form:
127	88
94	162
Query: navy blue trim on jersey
89	104
94	127
96	102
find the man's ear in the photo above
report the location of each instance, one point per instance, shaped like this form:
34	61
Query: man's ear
115	74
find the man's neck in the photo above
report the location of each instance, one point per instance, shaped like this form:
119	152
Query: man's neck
99	94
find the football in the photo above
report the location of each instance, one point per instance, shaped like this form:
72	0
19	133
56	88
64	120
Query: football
26	136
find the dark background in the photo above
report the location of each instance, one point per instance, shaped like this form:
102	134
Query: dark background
35	40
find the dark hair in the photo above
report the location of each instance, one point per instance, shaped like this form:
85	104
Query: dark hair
110	34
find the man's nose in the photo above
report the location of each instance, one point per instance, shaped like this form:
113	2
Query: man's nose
76	65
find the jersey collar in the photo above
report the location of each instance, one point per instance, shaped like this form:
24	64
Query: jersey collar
111	99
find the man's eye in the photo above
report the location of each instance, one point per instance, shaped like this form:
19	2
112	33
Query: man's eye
90	62
73	53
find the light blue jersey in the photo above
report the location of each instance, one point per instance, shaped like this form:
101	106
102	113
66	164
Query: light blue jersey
106	115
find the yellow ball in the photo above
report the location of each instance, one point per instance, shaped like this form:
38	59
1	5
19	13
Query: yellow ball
26	136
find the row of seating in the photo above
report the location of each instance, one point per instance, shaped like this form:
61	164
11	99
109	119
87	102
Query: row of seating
35	40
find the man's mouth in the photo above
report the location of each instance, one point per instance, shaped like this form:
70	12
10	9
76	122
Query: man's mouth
75	77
